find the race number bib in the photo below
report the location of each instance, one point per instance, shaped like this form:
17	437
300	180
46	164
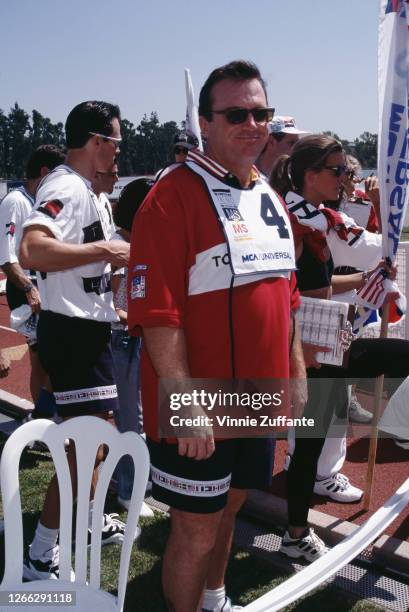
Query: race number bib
256	227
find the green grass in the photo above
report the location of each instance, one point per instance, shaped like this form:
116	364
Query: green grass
247	577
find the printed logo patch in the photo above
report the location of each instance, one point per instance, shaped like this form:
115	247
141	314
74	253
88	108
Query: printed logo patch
52	208
232	214
139	267
138	287
11	229
224	196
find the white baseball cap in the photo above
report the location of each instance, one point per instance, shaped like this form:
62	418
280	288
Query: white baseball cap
284	125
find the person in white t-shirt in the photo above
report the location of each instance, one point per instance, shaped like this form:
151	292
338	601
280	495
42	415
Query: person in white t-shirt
67	239
22	294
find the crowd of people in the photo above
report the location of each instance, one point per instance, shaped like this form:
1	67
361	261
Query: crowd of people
163	287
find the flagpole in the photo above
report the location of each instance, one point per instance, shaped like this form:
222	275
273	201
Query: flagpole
373	440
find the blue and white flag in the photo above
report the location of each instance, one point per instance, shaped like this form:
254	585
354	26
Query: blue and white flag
192	115
393	142
393	91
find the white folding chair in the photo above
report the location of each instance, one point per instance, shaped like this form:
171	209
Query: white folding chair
88	433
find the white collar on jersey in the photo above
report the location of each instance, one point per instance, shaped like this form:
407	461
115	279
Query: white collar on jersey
214	167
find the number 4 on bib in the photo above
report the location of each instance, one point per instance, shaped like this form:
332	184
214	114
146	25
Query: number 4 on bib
270	216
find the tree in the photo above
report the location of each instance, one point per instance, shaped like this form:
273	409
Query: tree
366	149
19	143
128	155
4	143
154	143
45	132
345	143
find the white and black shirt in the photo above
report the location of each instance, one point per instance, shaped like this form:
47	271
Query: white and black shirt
67	206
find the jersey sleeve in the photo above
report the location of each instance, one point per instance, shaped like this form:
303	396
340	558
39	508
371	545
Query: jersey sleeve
10	219
58	207
159	261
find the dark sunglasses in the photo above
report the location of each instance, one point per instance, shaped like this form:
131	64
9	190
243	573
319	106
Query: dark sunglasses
110	174
235	116
336	170
180	150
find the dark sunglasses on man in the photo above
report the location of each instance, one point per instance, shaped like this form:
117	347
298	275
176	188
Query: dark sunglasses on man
235	116
180	151
110	174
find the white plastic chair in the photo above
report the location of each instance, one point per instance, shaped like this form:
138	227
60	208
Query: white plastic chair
88	433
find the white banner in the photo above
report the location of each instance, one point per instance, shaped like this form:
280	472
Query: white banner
393	141
192	116
393	154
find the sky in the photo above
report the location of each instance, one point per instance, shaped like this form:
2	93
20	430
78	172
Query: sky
319	57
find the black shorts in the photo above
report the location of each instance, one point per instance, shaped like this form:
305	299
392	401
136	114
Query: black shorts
202	486
15	297
76	354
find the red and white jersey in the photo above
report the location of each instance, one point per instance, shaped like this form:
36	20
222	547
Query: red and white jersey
180	276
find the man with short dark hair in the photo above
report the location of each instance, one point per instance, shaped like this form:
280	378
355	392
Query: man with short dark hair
208	309
283	136
67	239
21	287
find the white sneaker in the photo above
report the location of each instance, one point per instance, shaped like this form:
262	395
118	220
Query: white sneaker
287	461
227	606
146	512
357	413
46	569
402	443
113	530
310	546
338	488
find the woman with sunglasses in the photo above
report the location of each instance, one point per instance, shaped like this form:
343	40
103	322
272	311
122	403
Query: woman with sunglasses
311	175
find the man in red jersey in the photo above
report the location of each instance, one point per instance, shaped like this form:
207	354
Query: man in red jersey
212	305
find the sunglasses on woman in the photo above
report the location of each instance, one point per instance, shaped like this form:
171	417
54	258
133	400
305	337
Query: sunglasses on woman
336	170
235	116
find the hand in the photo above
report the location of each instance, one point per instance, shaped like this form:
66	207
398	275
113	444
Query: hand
33	299
117	253
298	396
123	316
372	191
390	269
196	448
4	365
310	351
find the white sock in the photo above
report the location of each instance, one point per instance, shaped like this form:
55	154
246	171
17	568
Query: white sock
90	512
214	599
44	540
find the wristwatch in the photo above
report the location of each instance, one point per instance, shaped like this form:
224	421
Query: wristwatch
27	287
365	277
